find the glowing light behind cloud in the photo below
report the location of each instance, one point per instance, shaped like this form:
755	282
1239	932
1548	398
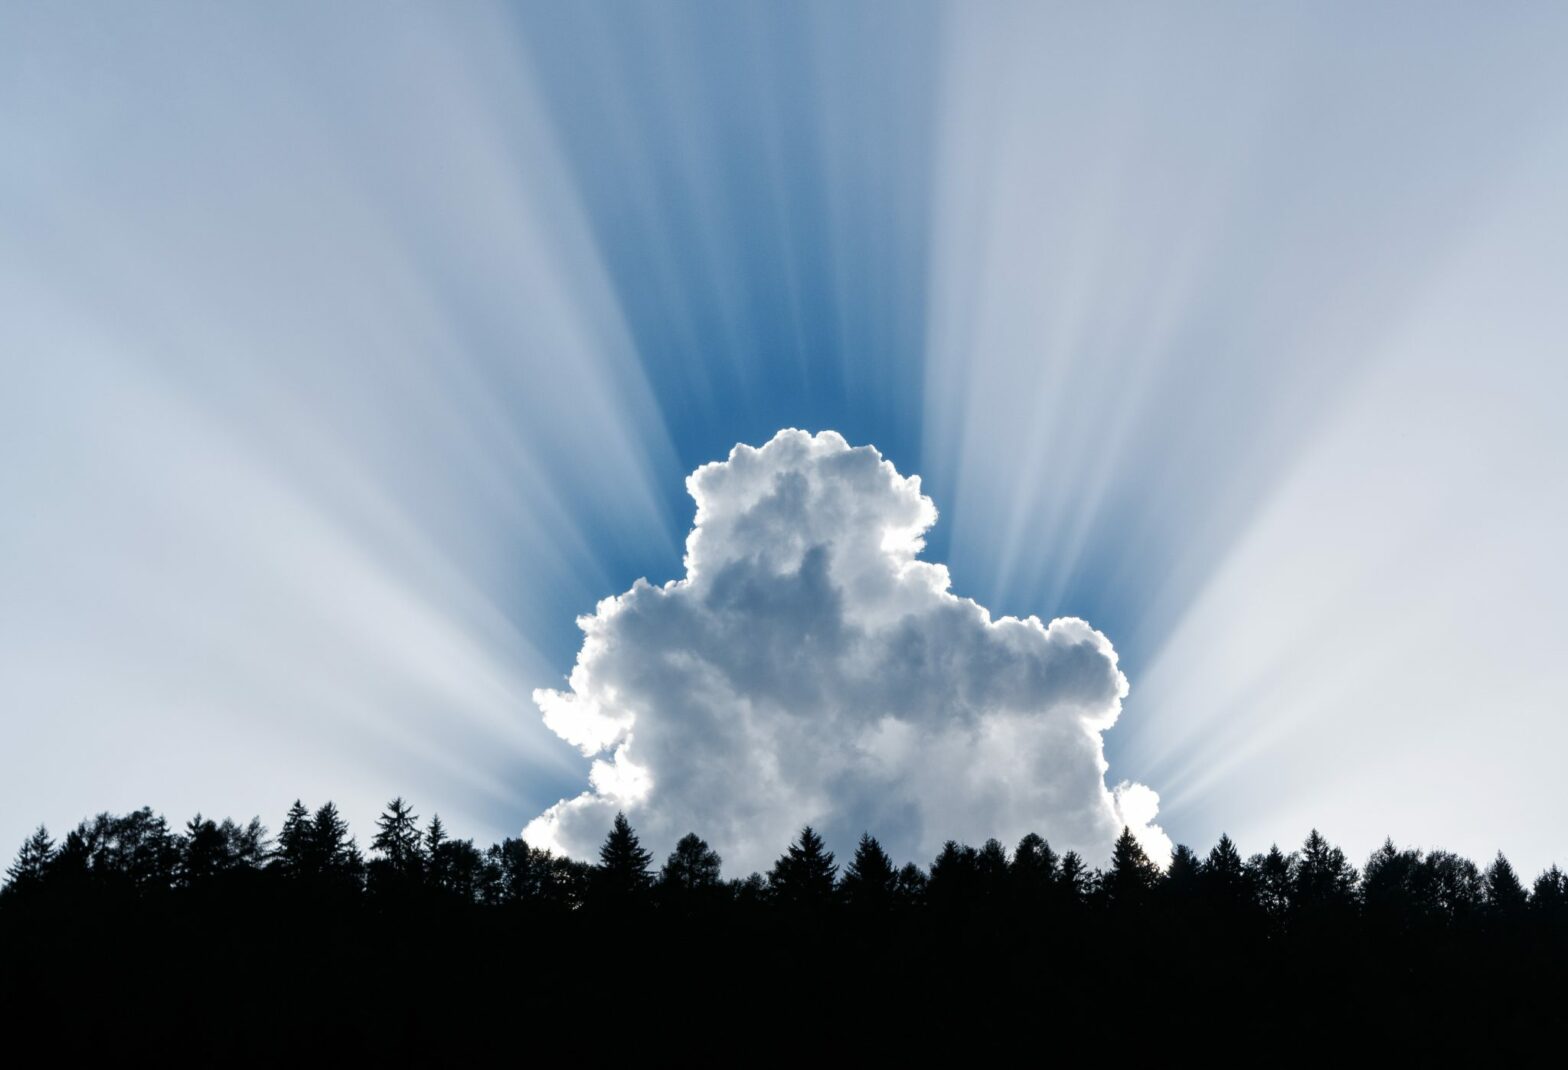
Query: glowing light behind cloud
350	353
319	406
1193	271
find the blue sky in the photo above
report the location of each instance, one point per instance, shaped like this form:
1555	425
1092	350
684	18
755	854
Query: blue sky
351	353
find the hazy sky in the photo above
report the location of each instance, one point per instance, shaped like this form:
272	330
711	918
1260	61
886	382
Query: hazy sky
349	352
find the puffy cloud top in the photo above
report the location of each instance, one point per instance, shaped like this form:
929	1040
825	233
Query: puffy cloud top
809	669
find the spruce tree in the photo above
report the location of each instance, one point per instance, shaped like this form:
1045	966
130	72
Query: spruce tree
333	853
1227	884
400	844
293	854
1505	896
204	852
1132	876
803	877
1273	877
1325	883
436	852
32	863
1182	884
1549	897
955	878
622	876
869	881
1073	881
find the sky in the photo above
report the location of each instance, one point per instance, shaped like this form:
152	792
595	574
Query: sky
350	353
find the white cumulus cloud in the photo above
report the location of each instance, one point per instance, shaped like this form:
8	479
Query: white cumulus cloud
809	669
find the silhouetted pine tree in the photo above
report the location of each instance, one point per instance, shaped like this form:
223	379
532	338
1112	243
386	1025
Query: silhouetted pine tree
622	877
1129	884
992	870
1394	893
435	847
955	878
870	880
1549	897
517	881
690	878
1182	886
331	853
462	873
1073	881
1273	878
27	873
1453	886
1227	883
401	865
909	888
1324	889
803	877
1033	873
204	852
293	853
247	845
1506	899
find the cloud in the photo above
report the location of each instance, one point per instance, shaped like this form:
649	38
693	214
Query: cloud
809	669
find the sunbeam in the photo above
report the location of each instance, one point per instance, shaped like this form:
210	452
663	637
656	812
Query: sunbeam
352	352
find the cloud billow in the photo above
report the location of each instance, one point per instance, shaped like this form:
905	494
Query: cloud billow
809	669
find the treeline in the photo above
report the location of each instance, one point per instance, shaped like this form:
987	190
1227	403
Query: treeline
139	856
220	914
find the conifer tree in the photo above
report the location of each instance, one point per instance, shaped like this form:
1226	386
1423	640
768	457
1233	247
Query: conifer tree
293	855
1549	897
1073	882
804	876
691	873
1182	884
1033	871
992	869
436	844
870	879
909	887
399	843
204	852
32	863
1273	876
622	875
332	852
1325	883
1504	894
1132	876
955	878
1226	881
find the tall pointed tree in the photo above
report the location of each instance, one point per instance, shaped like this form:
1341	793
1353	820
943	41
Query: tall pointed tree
204	852
870	879
804	876
436	853
400	845
1506	899
1132	877
1073	881
622	876
1273	877
332	851
293	854
1325	882
32	863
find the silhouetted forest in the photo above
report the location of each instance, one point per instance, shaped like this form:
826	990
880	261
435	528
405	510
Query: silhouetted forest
220	940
